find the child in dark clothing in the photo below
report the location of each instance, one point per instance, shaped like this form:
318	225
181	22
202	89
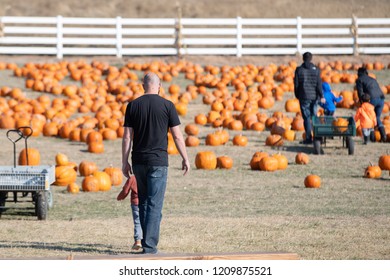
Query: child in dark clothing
330	99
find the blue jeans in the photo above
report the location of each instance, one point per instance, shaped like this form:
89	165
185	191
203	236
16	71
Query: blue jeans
137	222
378	104
151	183
308	110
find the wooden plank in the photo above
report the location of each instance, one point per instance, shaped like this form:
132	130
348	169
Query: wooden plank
208	256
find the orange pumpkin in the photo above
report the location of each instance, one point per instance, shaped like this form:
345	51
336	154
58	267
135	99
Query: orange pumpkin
256	158
65	175
312	181
73	188
282	161
96	147
268	164
224	162
213	139
274	140
90	184
201	119
192	141
302	158
115	174
191	129
104	181
372	171
87	168
240	140
34	157
62	159
206	160
384	162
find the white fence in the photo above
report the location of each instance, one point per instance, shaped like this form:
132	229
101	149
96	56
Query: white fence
119	37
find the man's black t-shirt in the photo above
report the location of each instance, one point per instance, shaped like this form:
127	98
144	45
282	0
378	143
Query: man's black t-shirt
150	116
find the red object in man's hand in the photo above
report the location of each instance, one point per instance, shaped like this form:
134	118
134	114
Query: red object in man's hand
131	183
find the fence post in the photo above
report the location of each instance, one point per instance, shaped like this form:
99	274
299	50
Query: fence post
178	31
59	37
354	31
118	37
299	35
239	37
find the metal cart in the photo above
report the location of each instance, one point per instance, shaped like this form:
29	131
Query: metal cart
323	128
20	181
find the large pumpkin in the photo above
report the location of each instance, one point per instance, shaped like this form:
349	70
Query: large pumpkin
312	181
115	175
206	160
104	180
65	175
341	124
34	157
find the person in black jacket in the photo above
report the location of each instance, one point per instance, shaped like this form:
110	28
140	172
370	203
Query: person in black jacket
367	84
308	90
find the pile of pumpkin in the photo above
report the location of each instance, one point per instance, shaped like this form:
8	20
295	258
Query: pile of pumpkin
66	172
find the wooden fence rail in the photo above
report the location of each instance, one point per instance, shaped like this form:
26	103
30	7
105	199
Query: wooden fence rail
62	36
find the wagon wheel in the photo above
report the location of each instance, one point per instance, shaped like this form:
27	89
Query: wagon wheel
49	197
41	205
3	197
317	146
350	145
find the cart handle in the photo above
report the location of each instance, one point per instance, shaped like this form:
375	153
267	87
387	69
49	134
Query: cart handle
20	134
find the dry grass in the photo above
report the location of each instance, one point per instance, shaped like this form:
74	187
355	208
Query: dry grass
233	210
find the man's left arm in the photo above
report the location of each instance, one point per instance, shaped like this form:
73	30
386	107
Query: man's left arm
127	143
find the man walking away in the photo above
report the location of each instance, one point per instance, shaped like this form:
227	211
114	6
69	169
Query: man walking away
308	90
147	121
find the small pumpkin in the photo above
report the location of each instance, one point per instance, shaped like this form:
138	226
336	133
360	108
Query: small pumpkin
224	162
312	181
206	160
240	140
191	129
274	140
213	139
302	158
62	159
372	171
384	162
192	141
73	188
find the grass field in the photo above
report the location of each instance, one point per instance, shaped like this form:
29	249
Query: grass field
237	210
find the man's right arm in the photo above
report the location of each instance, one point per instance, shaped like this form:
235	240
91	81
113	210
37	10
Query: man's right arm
126	148
181	146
